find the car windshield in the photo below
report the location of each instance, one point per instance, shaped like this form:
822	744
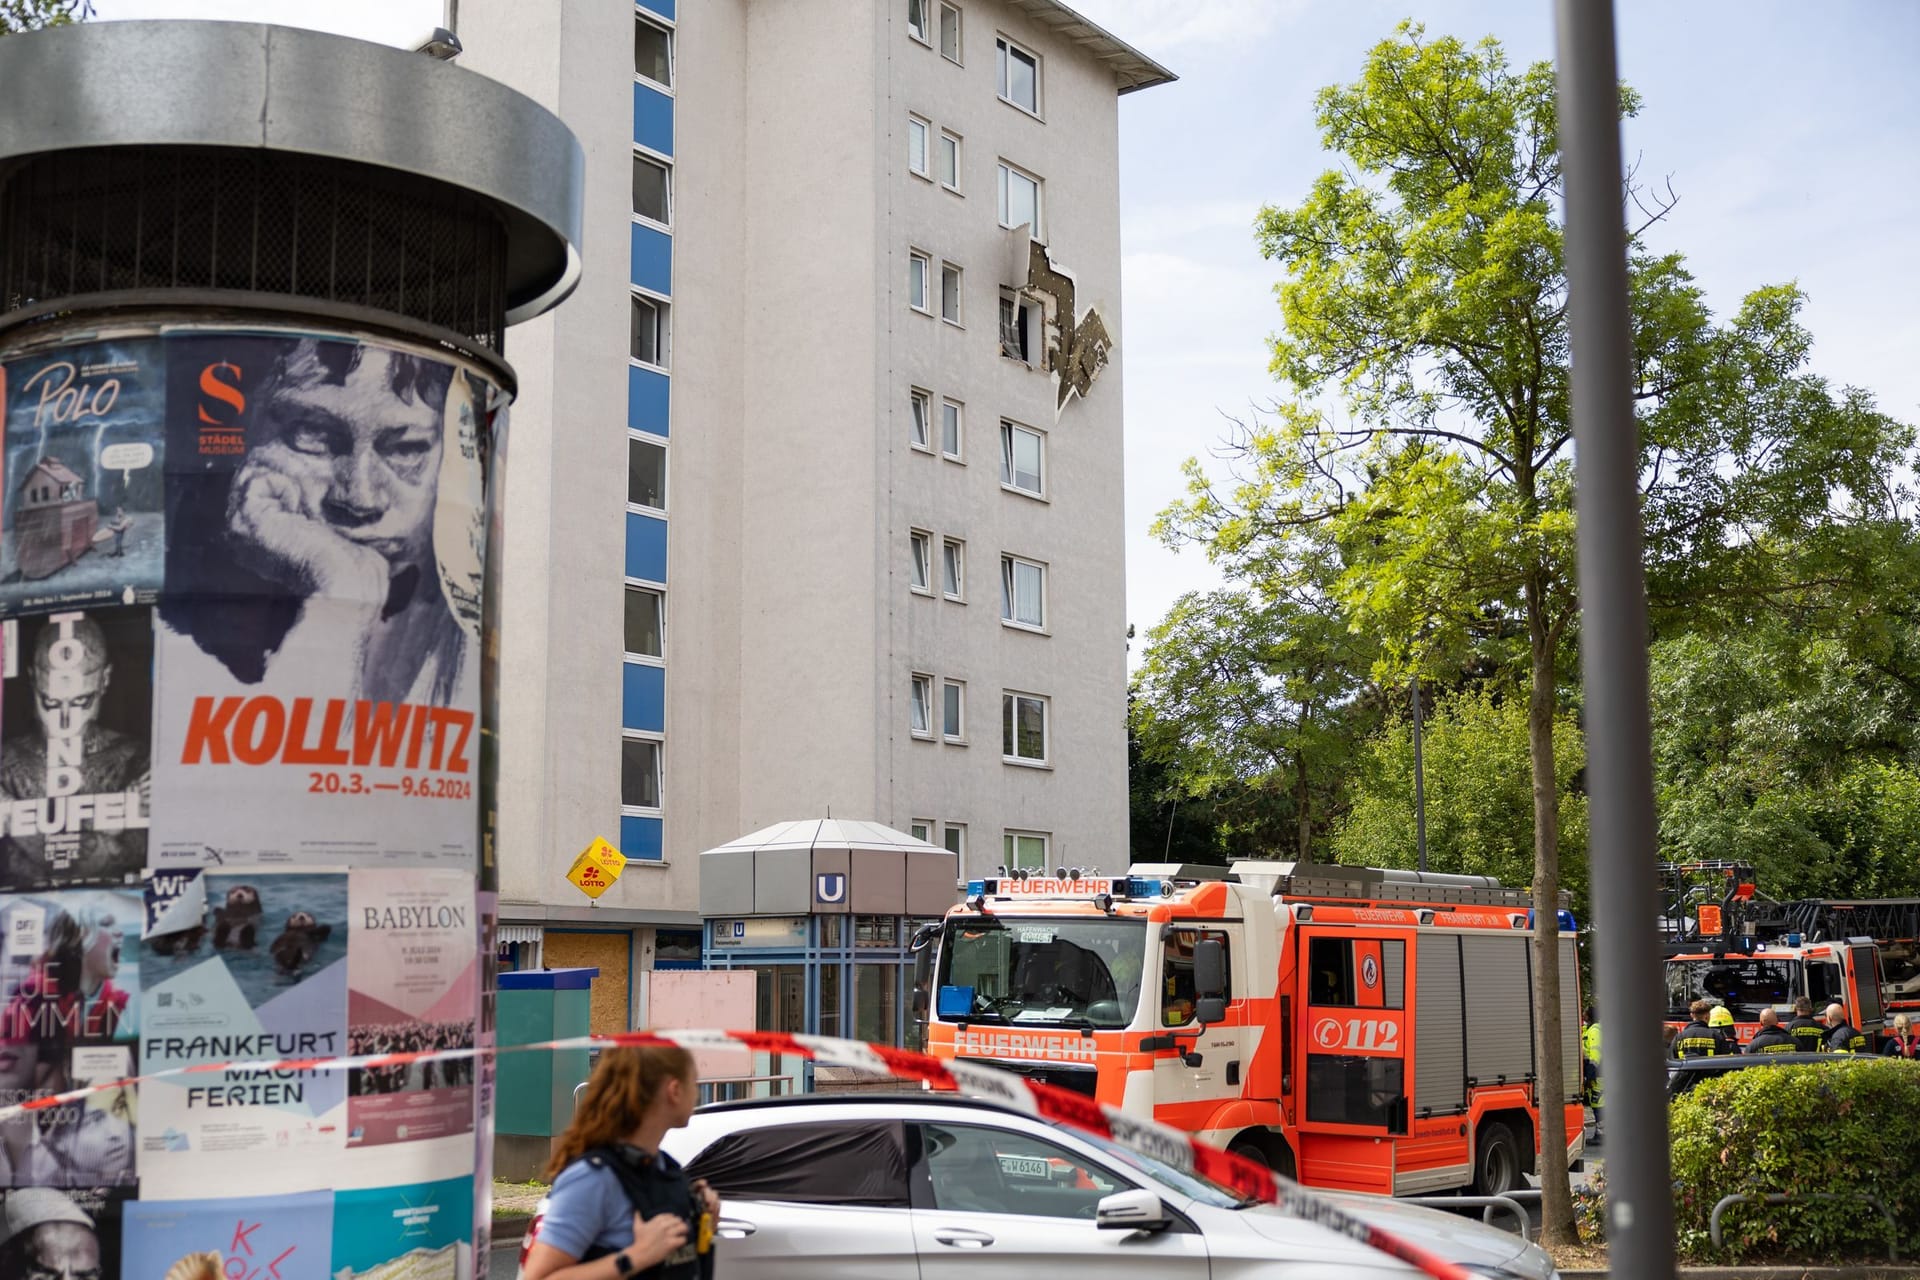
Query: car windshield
1744	985
1074	972
1191	1185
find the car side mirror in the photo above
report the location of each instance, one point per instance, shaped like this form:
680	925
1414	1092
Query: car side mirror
1209	968
1130	1211
1210	1009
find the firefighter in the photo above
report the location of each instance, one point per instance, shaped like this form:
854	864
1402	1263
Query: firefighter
1808	1035
1590	1067
1721	1021
1697	1039
1841	1035
1770	1038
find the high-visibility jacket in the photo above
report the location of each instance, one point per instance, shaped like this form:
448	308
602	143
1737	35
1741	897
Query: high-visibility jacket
1590	1043
1808	1036
1845	1039
1771	1040
1698	1041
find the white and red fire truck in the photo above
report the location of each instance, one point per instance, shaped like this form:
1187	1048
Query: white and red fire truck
1355	1028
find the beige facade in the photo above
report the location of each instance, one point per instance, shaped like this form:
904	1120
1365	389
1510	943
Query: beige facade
793	629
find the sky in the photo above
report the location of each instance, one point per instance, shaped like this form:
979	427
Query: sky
1788	131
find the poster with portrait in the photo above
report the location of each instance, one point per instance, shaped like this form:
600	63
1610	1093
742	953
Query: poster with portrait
413	986
484	1074
61	1231
75	770
69	1010
319	637
81	488
286	1237
261	976
420	1231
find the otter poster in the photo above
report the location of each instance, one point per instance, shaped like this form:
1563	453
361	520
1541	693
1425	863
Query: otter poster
319	638
81	476
75	771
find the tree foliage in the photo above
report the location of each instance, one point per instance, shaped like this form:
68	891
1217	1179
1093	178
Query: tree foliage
31	15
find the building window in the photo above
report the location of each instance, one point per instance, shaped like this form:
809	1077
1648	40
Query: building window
1020	323
1023	728
949	163
953	569
1023	593
917	158
920	720
953	710
921	544
1024	850
648	332
653	53
1020	200
954	837
652	190
646	473
921	829
640	773
917	20
950	33
1022	451
643	622
950	293
920	405
919	272
1019	73
950	414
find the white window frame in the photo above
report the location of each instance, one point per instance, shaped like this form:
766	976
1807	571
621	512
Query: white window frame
956	733
1010	847
1013	346
959	160
959	55
1009	593
658	593
921	691
956	411
920	419
953	569
672	53
1007	172
1009	477
643	437
924	31
1009	705
920	561
662	330
955	847
659	772
921	127
957	295
921	263
1003	49
922	829
664	163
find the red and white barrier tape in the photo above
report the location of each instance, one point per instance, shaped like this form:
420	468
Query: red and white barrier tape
1044	1101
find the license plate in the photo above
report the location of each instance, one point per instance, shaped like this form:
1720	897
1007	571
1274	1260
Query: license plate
1025	1167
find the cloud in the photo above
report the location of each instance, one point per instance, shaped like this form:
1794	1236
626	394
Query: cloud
1155	26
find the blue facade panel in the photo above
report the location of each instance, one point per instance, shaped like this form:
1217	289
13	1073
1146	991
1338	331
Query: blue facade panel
643	697
647	400
640	838
652	119
662	7
652	259
646	548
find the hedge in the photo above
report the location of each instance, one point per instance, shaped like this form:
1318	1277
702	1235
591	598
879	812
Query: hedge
1844	1126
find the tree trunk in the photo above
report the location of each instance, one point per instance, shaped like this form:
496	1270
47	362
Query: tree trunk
1556	1196
1300	796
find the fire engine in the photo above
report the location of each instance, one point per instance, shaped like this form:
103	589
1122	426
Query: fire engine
1355	1028
1727	941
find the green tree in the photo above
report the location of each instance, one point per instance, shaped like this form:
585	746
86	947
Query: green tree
1426	297
31	15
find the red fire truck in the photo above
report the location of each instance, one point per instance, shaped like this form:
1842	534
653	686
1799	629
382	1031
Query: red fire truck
1362	1029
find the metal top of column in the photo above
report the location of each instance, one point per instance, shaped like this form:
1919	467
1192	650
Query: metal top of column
304	114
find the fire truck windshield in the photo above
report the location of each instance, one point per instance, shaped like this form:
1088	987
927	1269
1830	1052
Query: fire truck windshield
1743	985
1034	972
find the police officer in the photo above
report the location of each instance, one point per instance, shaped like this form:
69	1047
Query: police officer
1697	1039
1841	1036
1770	1038
1808	1035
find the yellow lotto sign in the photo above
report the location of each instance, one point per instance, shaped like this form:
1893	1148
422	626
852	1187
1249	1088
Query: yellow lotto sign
597	867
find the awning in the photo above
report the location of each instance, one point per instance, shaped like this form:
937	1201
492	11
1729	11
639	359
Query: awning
520	933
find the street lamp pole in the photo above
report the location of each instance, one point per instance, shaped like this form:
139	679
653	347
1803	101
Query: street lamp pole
1419	780
1613	638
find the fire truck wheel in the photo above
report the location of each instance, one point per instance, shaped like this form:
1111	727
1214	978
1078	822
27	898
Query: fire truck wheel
1255	1147
1496	1160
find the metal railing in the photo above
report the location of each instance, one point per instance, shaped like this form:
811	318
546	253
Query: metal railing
1783	1197
725	1088
1509	1203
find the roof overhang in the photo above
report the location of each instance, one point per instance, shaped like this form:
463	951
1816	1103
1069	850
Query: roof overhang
1131	68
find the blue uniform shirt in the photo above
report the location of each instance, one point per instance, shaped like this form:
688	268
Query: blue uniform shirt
586	1208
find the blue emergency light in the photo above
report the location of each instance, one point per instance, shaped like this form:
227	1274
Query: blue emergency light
1567	923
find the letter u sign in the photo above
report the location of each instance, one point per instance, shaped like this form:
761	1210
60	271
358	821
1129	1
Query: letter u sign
830	886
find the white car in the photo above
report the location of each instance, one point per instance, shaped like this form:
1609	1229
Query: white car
893	1186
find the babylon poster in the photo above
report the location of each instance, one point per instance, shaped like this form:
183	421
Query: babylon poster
319	638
